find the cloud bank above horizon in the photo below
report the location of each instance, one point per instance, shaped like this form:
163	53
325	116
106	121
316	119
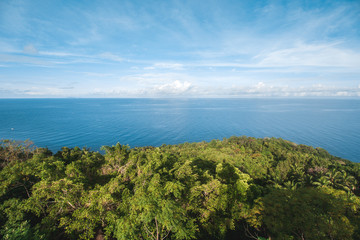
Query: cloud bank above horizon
179	49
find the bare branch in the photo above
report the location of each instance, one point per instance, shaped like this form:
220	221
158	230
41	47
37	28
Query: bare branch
249	234
148	231
166	235
71	205
27	192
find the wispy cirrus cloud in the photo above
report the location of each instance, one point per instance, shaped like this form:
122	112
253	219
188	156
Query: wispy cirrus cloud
165	65
31	55
60	54
111	57
23	59
300	58
97	74
105	56
310	55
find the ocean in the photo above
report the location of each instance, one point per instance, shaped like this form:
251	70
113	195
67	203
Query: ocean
332	124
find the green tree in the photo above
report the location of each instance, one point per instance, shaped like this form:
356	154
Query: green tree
307	213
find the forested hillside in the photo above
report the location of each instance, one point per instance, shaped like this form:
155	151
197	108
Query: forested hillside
237	188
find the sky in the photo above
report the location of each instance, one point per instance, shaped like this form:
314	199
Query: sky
187	48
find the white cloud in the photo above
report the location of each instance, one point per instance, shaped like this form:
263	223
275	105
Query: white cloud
36	92
262	90
176	88
173	88
342	94
186	89
260	85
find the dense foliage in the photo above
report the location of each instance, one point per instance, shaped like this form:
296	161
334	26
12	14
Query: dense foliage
238	188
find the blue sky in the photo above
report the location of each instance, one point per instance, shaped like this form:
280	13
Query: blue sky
179	48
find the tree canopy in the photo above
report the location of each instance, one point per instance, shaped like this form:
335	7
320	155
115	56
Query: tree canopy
237	188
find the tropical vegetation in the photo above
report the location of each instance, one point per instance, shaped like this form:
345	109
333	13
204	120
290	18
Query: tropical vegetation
237	188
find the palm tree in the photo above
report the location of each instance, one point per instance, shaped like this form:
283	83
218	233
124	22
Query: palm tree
347	182
292	185
322	181
337	179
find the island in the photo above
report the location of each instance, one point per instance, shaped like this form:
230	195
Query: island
235	188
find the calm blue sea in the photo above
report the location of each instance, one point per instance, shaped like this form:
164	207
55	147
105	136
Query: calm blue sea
54	123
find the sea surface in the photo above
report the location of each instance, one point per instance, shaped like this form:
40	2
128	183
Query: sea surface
332	124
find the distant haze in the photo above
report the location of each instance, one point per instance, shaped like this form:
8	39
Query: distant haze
179	49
